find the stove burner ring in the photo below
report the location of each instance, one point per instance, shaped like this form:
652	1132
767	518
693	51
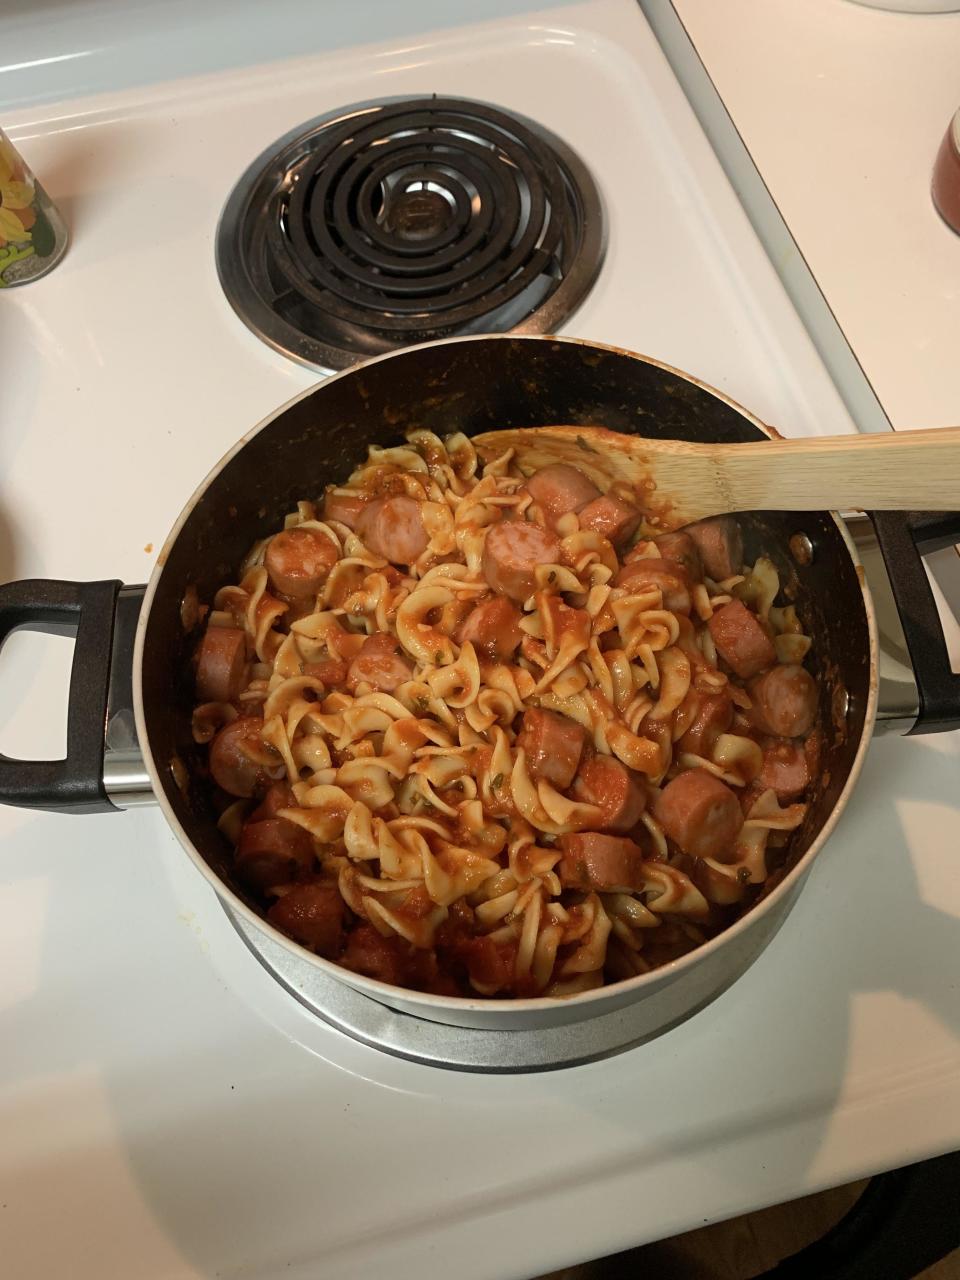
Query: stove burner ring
405	221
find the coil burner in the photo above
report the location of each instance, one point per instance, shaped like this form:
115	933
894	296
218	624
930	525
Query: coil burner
398	222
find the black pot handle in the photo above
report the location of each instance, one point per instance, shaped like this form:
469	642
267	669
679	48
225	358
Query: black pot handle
85	610
903	537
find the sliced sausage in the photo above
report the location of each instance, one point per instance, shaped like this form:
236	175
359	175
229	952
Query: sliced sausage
741	640
511	552
272	852
277	797
369	953
298	561
721	546
784	701
611	517
393	528
559	489
222	665
237	756
714	716
490	964
345	507
553	745
669	579
380	662
311	914
699	813
680	549
331	671
606	864
615	789
493	628
785	769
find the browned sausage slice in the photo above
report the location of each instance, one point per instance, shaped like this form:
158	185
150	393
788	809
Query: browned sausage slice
493	628
680	549
785	769
559	489
699	813
369	953
237	756
553	745
347	508
298	561
271	852
331	671
594	861
393	528
511	552
721	545
740	639
380	662
611	517
311	914
645	575
714	716
277	797
221	664
615	789
784	701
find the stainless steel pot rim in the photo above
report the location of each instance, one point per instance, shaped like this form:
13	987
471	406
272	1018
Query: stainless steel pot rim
514	1009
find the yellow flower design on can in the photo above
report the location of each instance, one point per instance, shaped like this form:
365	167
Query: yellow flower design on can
30	225
17	214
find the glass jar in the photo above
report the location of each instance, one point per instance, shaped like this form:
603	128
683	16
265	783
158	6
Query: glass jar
33	235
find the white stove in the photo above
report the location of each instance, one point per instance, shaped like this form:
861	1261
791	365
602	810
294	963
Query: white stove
183	1115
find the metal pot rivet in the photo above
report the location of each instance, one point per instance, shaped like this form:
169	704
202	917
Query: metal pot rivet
840	705
801	548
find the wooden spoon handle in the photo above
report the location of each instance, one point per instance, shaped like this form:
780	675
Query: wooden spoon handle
906	470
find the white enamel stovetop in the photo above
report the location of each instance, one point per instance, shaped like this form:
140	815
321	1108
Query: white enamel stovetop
165	1110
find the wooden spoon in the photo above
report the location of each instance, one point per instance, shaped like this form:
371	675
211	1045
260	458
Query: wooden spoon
679	482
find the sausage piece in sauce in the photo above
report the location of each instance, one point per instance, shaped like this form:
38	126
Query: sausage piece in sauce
720	543
493	628
616	790
741	640
511	552
678	548
313	915
553	746
346	508
560	489
272	852
611	517
699	813
298	561
595	861
238	757
380	662
393	528
222	667
786	770
784	701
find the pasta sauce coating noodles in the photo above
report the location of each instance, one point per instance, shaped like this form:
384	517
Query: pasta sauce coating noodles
471	733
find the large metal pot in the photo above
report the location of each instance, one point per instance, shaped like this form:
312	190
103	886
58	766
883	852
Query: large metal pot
468	385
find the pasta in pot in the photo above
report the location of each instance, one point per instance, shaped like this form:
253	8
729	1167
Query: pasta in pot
472	734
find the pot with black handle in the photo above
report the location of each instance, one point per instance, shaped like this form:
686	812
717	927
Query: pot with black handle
131	695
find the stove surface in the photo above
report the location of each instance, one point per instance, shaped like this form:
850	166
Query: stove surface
186	1116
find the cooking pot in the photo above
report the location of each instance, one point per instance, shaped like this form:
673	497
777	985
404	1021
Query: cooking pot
131	692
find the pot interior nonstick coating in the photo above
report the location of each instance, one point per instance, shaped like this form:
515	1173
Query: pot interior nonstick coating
472	386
